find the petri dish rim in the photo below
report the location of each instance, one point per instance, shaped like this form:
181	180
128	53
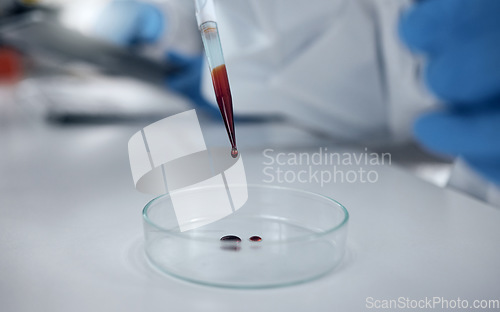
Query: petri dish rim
340	225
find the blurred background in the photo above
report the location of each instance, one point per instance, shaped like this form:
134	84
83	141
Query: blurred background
53	67
59	70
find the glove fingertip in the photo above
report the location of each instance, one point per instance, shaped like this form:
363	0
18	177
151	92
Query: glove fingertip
414	30
406	31
487	169
424	127
428	131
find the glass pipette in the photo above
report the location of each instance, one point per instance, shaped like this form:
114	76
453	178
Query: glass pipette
205	15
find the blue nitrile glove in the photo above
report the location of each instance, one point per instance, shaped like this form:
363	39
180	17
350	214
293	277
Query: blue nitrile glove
187	79
127	23
461	41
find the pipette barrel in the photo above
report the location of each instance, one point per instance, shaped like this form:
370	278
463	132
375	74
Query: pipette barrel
215	57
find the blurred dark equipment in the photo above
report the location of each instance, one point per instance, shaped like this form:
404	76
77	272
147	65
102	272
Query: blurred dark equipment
36	30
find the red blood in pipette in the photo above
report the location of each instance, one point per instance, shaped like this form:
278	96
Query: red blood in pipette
225	102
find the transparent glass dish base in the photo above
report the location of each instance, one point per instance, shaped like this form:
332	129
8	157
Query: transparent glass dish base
303	237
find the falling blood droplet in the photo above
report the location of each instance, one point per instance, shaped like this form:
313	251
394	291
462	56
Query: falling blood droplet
234	152
255	239
230	242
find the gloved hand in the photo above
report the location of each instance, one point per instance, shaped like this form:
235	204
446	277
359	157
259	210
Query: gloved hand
130	23
187	80
461	42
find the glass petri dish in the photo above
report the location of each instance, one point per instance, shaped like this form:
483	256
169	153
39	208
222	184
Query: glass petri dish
303	237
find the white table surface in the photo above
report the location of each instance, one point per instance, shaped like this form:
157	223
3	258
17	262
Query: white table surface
71	231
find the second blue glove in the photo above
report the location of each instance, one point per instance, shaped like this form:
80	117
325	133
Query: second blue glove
461	42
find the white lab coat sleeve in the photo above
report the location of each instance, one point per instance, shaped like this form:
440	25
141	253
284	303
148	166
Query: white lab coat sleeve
332	66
